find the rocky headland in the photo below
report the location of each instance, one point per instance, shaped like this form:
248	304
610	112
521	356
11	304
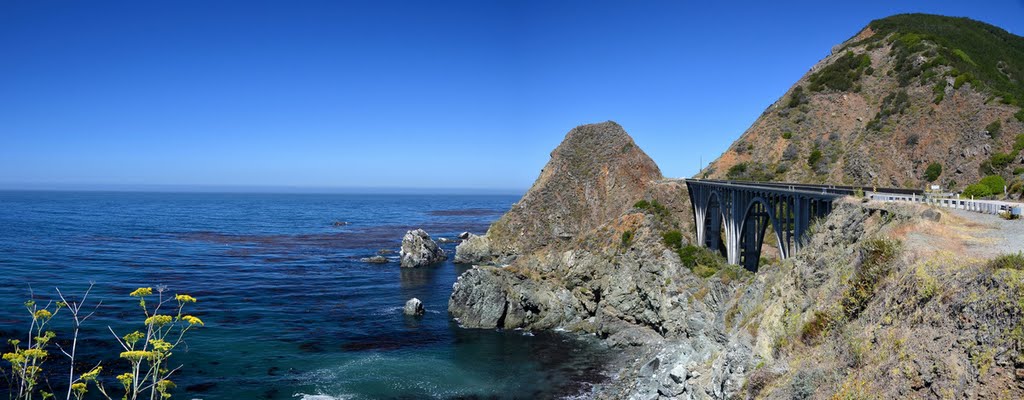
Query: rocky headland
876	306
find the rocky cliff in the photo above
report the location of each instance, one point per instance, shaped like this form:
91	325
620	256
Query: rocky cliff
910	100
593	176
874	307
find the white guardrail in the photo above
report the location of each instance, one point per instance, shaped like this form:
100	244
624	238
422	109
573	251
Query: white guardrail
981	206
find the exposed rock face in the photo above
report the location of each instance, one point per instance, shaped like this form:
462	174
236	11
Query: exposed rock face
593	176
413	307
474	249
419	250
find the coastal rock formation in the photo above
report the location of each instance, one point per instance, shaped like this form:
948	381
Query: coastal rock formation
413	307
419	250
833	321
474	249
593	176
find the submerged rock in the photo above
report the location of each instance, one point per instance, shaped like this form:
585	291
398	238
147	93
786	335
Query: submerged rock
413	307
419	250
375	260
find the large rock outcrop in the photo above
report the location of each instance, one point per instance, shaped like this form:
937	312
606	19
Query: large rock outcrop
419	250
594	175
474	249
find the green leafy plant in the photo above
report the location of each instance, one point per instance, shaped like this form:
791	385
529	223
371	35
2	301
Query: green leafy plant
976	190
933	172
995	183
994	128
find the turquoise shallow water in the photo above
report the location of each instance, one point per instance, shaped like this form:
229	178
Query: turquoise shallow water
290	311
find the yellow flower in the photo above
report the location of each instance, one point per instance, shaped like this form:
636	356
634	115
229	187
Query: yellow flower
160	345
14	358
159	320
142	292
35	353
43	314
136	355
126	379
193	320
91	375
133	337
78	387
184	298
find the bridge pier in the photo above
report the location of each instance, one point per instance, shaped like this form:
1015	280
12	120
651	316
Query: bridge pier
746	210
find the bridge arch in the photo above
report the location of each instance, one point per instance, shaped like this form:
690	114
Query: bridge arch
713	222
759	214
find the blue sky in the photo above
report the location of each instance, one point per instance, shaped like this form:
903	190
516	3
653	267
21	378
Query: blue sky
388	94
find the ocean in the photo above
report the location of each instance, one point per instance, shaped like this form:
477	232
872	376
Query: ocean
290	311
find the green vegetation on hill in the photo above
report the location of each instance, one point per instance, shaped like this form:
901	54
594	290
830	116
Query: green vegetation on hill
987	56
841	75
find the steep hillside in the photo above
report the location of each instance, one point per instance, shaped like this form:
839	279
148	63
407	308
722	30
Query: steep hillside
910	100
885	301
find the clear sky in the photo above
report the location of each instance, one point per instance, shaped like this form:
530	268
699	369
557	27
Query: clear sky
387	94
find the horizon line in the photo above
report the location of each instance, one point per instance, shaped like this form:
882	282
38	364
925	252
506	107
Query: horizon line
233	188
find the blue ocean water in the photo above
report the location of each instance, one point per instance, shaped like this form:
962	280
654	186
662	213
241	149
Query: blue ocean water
290	311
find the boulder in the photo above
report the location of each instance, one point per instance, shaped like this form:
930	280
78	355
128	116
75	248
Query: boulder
464	235
419	250
413	307
375	260
473	250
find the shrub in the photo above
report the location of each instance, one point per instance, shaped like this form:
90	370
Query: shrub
787	135
1019	115
790	152
1018	144
995	183
842	74
672	239
961	80
913	140
994	128
736	171
893	104
653	207
1018	171
1000	160
813	159
814	327
933	172
797	97
1007	261
627	238
976	190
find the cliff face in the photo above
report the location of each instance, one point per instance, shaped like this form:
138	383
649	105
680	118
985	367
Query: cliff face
594	175
907	92
874	307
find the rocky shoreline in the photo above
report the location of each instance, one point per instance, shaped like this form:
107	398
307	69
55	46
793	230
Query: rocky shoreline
600	245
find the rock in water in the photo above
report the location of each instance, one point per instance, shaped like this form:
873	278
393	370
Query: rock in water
473	250
413	307
419	250
375	260
594	175
464	235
